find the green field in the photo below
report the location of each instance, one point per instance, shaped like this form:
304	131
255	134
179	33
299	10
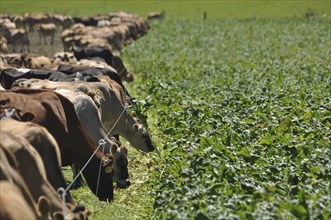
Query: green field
174	9
239	108
243	114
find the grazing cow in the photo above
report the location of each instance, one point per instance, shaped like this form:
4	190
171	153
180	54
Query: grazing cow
33	19
66	73
121	69
68	44
46	30
9	172
31	168
105	54
13	59
90	118
13	204
95	63
9	75
91	52
64	21
39	62
111	108
156	15
17	36
42	141
58	116
89	21
67	38
18	20
7	25
121	14
27	172
26	61
90	71
104	23
141	25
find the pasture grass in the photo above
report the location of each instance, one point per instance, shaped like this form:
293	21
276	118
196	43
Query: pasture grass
173	9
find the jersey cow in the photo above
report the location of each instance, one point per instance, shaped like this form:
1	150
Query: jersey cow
114	116
9	173
57	114
13	204
21	166
90	118
43	142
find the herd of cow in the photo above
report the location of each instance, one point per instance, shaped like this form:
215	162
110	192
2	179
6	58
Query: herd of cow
69	110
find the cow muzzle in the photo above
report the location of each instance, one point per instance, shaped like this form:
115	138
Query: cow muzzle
122	184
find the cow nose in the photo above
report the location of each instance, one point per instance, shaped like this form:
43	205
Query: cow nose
123	184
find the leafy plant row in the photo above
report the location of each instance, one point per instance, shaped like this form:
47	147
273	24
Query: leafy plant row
241	113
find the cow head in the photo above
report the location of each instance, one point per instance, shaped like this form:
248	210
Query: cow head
74	212
120	166
121	69
142	138
100	183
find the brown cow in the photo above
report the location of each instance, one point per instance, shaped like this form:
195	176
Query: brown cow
156	15
112	108
43	142
31	19
46	30
121	69
88	114
27	61
58	115
7	25
13	204
39	62
13	59
96	63
30	170
9	172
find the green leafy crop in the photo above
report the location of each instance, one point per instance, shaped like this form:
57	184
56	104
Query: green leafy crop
241	113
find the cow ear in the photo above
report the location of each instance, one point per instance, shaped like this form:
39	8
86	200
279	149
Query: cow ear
28	116
124	149
114	148
57	215
43	206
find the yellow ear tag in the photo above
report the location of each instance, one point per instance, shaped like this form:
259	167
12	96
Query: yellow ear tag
108	169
